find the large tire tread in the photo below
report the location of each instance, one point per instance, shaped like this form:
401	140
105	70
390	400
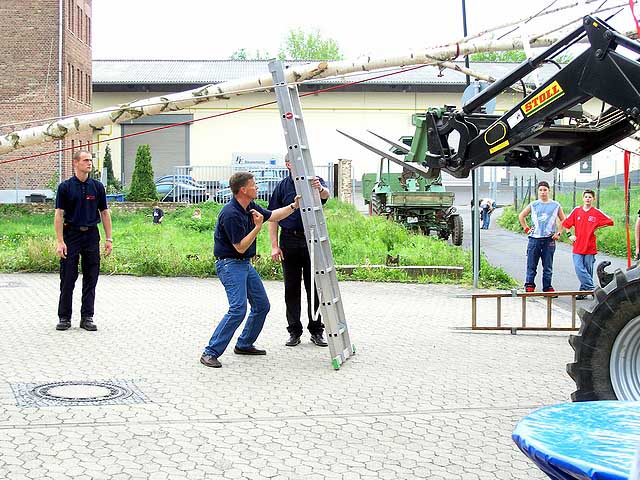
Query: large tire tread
614	306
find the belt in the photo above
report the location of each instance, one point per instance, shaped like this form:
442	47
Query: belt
232	258
79	229
295	233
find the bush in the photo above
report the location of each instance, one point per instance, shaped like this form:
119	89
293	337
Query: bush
143	188
113	185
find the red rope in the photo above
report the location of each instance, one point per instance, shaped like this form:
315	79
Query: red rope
188	122
627	160
633	14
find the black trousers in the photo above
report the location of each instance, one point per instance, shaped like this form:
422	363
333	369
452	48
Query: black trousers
83	246
296	266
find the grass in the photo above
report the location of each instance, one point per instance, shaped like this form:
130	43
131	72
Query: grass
184	247
610	240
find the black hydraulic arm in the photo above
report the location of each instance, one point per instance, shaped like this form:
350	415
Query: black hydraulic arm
547	129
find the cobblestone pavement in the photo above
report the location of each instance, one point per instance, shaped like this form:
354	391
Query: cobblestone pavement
423	398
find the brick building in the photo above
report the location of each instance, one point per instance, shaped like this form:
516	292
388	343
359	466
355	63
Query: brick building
29	62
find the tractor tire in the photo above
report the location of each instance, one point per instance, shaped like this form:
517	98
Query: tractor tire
456	230
377	205
607	347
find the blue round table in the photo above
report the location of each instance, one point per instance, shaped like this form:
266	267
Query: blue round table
596	440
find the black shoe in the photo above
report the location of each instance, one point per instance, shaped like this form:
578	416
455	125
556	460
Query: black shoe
210	361
293	341
87	324
319	340
248	351
581	297
63	324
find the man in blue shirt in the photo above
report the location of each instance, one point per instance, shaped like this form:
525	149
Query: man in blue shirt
293	252
545	214
238	225
81	203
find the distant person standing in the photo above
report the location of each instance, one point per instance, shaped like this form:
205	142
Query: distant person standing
545	214
585	220
293	252
487	206
81	203
238	225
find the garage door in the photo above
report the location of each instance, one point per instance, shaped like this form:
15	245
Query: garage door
169	147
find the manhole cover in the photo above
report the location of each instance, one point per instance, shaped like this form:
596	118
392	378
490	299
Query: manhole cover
83	392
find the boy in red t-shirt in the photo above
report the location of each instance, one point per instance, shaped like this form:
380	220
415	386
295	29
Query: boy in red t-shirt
585	220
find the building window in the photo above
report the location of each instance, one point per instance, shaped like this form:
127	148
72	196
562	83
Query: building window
90	87
70	15
78	21
88	30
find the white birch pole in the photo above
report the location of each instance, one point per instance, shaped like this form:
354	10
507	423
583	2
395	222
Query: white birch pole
87	123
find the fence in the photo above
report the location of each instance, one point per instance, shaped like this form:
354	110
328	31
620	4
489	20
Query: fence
524	191
198	183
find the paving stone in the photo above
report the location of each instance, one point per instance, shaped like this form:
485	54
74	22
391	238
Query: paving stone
442	410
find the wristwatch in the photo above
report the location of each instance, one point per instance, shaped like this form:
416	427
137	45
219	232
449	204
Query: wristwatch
291	205
110	240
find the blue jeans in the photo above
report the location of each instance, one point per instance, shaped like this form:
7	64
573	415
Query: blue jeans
540	248
584	270
486	219
242	283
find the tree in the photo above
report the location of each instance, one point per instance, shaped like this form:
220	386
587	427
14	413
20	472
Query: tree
241	54
142	186
113	185
300	45
512	56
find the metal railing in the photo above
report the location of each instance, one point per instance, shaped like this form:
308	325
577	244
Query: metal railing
199	183
523	323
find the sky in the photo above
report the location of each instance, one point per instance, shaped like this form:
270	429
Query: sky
204	29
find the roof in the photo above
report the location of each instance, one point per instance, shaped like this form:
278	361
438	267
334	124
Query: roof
202	72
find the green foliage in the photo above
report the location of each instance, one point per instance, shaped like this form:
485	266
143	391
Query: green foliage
301	45
113	185
510	56
611	240
52	184
142	186
242	54
183	246
514	56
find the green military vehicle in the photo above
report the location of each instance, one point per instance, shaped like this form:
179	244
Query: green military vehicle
415	204
415	197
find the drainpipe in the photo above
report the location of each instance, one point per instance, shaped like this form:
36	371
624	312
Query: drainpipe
60	112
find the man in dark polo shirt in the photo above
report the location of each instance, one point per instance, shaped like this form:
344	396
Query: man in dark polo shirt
238	225
293	252
81	203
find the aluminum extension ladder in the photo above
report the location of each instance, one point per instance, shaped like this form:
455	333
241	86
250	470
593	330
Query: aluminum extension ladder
315	227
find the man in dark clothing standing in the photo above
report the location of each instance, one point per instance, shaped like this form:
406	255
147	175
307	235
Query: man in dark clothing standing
238	225
81	203
293	252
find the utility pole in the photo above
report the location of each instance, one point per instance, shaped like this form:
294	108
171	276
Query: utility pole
475	214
